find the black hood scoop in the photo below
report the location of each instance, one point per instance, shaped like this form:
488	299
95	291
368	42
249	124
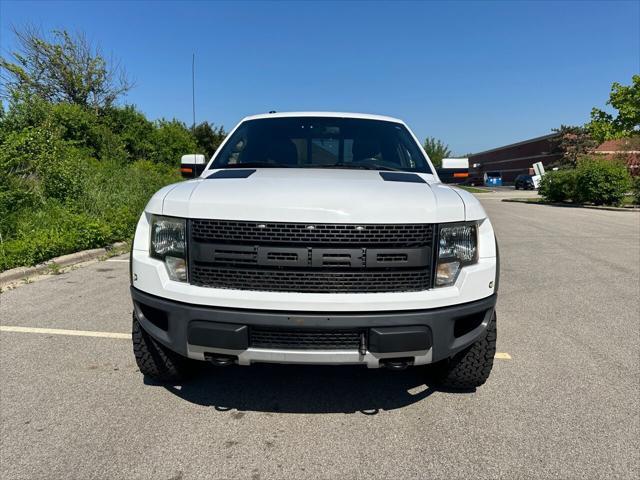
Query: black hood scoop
401	177
232	173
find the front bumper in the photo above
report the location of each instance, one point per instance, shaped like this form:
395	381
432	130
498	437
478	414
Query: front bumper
418	336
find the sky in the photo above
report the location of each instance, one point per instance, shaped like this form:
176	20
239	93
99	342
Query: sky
475	74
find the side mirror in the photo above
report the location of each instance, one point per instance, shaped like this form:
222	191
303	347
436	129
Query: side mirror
192	165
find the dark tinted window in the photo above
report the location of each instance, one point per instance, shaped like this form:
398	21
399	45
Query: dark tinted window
310	142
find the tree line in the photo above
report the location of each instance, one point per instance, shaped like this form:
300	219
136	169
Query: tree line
77	164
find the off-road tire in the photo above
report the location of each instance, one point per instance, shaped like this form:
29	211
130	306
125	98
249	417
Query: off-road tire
154	360
471	367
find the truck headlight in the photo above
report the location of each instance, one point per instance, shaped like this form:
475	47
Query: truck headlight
457	247
168	243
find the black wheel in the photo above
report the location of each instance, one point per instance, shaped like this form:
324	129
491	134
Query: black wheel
471	367
155	360
517	188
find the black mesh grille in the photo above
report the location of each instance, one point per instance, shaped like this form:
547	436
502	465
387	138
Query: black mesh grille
391	257
321	234
305	339
310	258
311	281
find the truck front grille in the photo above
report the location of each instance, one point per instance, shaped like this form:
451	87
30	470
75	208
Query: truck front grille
305	339
310	258
226	231
310	281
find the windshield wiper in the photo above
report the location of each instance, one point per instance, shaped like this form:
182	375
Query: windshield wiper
360	166
255	165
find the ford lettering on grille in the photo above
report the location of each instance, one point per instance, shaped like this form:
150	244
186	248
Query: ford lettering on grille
323	259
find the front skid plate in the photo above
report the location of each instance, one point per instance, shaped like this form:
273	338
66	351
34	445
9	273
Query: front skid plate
317	357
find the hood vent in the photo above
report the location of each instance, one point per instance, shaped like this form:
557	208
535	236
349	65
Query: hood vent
231	173
401	177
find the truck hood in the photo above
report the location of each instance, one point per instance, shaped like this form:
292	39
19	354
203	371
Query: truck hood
312	195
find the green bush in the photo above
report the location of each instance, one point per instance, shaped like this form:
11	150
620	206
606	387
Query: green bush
601	182
119	192
73	178
134	130
24	111
107	210
172	140
558	186
51	231
76	170
596	181
635	188
20	186
35	163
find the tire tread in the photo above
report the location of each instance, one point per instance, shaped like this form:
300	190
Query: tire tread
155	360
471	367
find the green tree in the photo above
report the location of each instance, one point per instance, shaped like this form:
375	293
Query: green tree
626	100
573	142
62	68
134	130
172	140
437	150
208	137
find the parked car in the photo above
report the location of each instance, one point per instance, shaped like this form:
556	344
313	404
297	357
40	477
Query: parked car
316	238
474	180
524	182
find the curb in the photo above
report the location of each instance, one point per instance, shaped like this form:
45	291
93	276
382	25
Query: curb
20	273
568	205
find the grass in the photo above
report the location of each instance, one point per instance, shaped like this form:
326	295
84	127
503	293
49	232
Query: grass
473	189
114	252
105	211
54	268
525	200
627	202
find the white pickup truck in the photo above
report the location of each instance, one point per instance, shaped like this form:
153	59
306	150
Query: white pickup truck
315	238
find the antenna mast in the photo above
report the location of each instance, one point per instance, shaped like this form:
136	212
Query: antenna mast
193	90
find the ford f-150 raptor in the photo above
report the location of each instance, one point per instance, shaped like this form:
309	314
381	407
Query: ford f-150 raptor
315	238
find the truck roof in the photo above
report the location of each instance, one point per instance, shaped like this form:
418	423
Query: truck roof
365	116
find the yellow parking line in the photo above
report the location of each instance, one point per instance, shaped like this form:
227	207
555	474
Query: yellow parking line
59	331
502	356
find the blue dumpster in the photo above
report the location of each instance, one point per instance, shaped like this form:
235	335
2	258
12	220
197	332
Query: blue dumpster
493	179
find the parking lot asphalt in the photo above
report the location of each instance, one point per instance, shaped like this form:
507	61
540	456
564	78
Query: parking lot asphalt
566	405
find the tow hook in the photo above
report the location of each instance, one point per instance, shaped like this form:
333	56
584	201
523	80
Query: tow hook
397	364
220	360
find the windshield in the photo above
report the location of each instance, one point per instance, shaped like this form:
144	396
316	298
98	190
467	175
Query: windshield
310	142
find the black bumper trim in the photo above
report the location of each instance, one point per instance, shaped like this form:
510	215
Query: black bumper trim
440	322
229	336
399	339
